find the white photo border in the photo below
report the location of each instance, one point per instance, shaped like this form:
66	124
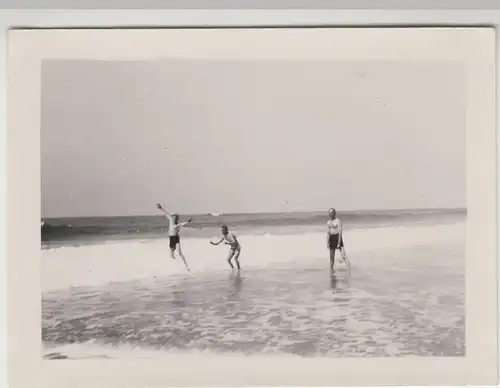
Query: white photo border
473	47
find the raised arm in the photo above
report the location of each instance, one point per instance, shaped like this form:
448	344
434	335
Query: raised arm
182	224
167	214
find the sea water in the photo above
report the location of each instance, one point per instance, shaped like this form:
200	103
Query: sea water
106	293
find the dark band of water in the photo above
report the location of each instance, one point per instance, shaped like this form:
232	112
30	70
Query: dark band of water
70	231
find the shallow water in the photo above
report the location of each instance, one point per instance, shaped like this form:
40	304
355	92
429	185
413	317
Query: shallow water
395	303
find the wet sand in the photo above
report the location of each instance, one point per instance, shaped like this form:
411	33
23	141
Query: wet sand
395	303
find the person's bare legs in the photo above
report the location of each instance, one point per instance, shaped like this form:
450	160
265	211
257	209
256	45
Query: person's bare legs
182	256
236	257
229	257
332	260
172	253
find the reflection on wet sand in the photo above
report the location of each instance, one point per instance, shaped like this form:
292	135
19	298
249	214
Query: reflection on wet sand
235	283
380	312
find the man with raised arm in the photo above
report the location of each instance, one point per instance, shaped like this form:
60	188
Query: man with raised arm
174	227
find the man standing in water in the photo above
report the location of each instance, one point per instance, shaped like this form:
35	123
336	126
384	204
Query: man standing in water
174	227
334	236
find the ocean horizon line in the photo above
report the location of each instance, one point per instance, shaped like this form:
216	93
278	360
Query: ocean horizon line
312	212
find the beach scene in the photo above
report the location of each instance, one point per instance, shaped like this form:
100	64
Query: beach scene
122	294
266	148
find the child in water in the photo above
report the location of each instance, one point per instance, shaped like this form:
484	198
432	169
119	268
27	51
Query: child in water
235	247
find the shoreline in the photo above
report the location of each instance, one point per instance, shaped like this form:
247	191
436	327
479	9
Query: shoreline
131	301
94	265
95	350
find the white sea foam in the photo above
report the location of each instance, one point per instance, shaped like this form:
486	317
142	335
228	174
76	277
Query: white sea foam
93	350
111	262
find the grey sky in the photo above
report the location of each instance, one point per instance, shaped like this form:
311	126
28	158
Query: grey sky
250	136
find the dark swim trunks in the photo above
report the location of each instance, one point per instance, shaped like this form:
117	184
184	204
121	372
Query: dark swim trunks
174	240
333	241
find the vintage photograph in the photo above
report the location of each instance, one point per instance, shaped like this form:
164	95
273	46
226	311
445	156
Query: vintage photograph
252	207
313	208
